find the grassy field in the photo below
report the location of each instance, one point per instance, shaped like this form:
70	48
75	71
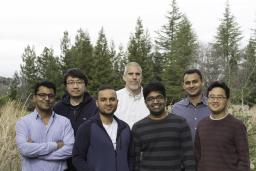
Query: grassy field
12	111
9	114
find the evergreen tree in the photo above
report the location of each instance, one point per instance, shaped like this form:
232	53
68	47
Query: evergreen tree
65	57
103	72
139	50
14	87
227	46
248	91
167	34
117	62
49	68
81	54
177	45
29	74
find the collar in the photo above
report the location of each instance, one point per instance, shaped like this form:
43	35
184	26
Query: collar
203	101
136	97
37	115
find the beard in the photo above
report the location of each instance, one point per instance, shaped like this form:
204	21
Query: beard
107	113
157	113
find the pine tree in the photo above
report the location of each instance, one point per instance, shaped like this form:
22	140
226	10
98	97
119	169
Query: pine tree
248	90
49	68
29	74
65	57
139	50
167	34
81	54
227	46
177	45
103	72
14	87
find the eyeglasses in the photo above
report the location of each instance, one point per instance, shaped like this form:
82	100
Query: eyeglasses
218	98
44	95
152	99
79	82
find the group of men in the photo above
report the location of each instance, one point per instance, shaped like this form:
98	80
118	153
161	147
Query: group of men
131	129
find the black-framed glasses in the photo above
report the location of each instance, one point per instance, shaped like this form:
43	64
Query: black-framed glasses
218	98
44	95
151	99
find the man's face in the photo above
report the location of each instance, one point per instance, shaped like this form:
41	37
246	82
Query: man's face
155	103
192	84
107	102
217	100
133	78
75	86
44	99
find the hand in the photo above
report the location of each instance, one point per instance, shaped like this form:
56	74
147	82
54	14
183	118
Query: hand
60	144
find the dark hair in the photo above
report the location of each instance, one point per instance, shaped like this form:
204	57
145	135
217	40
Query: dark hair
193	71
219	84
154	86
47	84
104	87
75	72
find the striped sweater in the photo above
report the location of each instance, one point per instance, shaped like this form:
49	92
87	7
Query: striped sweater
162	145
222	145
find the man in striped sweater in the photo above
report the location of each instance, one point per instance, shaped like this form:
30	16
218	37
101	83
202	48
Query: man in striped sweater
161	141
221	140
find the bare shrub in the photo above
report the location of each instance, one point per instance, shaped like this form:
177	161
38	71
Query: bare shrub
9	114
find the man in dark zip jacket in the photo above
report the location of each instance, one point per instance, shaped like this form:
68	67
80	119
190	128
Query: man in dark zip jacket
102	142
77	104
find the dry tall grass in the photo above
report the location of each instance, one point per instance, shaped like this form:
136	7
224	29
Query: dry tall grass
9	114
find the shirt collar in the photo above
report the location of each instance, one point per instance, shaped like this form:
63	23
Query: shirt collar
37	116
136	97
203	101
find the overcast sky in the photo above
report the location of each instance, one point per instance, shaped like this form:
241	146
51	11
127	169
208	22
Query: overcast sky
42	23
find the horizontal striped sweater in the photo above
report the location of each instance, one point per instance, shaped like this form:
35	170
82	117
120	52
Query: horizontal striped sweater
222	145
162	145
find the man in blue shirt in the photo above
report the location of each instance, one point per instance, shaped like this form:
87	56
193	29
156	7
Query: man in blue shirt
44	138
194	107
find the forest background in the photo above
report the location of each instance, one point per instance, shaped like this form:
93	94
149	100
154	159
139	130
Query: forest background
164	57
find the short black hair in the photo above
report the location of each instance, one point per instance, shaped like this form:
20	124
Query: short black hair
47	84
219	84
193	71
75	72
154	86
104	87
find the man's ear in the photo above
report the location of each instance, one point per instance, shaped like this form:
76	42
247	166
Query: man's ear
124	78
34	98
97	103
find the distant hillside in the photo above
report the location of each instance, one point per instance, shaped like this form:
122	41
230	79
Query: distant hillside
4	84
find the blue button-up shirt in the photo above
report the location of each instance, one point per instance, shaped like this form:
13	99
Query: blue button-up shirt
192	114
42	154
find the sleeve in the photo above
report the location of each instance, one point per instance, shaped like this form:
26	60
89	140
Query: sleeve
187	148
28	149
241	142
135	152
174	109
66	151
81	146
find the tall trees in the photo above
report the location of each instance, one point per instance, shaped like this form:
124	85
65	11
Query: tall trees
102	66
139	50
28	71
178	47
49	67
227	45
